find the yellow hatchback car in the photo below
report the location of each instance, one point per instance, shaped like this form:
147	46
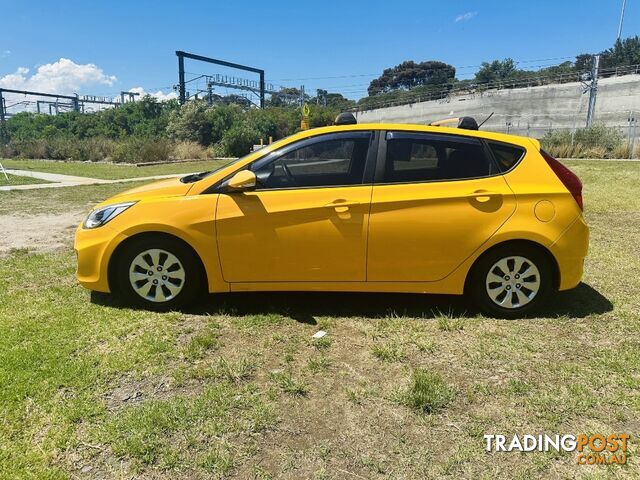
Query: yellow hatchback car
359	208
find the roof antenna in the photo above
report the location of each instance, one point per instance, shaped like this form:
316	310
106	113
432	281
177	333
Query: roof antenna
484	121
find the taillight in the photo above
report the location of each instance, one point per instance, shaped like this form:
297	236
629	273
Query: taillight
566	176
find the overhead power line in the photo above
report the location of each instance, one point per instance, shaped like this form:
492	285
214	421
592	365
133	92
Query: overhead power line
355	75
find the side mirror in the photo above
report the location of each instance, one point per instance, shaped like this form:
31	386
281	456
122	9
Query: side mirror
243	180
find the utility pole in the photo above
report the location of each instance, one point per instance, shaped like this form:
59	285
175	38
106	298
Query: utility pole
593	90
624	4
210	92
632	134
261	89
182	96
1	107
4	137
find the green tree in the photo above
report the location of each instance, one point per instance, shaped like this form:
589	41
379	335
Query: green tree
191	122
496	71
286	97
623	52
221	118
410	74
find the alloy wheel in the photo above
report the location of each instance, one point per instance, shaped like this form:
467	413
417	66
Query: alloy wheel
157	275
512	282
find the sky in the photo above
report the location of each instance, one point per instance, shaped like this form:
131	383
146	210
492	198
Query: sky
102	47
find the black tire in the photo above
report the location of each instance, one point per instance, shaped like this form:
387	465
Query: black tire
478	285
189	289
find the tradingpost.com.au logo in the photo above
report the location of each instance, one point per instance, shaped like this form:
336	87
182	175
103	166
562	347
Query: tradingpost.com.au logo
595	449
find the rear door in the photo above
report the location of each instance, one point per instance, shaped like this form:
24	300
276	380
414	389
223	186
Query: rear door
435	200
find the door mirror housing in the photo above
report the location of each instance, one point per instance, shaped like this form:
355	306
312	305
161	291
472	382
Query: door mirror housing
243	180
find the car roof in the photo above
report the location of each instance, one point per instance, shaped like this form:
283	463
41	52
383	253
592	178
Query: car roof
526	142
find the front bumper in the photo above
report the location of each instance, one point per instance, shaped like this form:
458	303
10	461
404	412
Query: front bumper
93	250
570	250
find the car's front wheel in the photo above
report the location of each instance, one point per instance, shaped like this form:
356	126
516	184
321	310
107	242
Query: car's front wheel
159	274
511	281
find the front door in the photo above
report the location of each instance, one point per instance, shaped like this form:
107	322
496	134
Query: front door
436	199
306	221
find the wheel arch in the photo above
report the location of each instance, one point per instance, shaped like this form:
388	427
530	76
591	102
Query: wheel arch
555	268
152	235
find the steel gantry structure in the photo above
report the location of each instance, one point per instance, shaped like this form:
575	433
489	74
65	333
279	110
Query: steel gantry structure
182	91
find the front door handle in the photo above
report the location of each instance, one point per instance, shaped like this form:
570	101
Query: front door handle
341	206
483	195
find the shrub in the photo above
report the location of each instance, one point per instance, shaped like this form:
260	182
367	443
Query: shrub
189	151
35	148
597	152
191	123
94	149
622	151
216	150
238	140
142	150
427	392
61	148
598	141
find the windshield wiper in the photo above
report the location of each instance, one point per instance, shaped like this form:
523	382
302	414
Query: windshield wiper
194	177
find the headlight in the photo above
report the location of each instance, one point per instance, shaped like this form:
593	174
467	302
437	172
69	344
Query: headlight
99	217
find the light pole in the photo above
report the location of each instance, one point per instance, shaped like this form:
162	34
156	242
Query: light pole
624	4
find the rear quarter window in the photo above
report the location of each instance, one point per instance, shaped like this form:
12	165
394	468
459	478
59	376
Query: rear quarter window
507	156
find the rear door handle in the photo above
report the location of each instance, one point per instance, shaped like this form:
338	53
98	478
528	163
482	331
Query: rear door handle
341	206
483	195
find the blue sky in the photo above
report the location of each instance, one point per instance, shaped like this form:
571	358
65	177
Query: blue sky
132	43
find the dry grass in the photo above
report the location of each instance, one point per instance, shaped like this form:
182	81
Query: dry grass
190	151
238	388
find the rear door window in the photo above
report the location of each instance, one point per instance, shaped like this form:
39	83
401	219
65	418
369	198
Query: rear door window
415	157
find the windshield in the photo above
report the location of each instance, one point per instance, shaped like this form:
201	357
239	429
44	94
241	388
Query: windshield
194	177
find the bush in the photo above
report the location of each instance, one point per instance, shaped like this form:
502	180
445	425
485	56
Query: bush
61	148
94	149
238	140
428	392
35	148
598	141
142	150
622	151
141	131
190	151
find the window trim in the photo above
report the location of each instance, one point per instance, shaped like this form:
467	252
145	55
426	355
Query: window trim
387	135
367	175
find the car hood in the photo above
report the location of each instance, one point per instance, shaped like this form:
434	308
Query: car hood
163	188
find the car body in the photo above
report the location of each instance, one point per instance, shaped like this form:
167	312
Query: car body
359	208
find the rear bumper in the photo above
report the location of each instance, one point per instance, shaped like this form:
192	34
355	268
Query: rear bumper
570	250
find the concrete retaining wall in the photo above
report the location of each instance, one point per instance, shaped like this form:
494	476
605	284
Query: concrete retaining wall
531	111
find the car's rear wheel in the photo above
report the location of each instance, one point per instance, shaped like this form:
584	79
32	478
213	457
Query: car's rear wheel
159	274
511	281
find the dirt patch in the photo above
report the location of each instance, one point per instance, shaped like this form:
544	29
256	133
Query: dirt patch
39	233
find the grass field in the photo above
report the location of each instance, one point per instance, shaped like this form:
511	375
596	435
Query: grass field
402	386
111	171
19	180
59	200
